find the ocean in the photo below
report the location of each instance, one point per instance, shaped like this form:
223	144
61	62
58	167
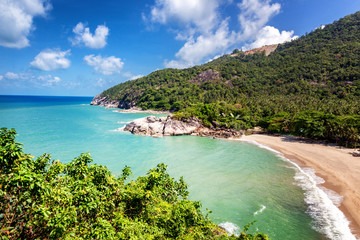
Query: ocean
238	181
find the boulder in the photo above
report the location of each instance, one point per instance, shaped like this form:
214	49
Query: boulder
167	126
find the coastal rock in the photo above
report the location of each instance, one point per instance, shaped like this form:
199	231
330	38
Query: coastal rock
166	126
105	101
157	126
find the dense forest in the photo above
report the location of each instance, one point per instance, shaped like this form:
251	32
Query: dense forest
309	87
46	199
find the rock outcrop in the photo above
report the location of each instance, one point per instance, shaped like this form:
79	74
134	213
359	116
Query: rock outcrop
267	49
206	76
105	101
166	126
161	126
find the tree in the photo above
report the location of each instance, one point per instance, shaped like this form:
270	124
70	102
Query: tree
47	199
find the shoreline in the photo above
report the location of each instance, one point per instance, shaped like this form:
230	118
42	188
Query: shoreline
138	110
339	169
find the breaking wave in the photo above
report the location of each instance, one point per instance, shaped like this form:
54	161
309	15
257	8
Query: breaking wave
322	203
263	207
230	228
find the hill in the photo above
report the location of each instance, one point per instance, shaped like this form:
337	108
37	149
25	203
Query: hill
305	87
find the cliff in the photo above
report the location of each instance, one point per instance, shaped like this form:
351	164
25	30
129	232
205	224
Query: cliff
106	101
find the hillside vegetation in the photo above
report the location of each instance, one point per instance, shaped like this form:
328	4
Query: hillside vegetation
46	199
309	87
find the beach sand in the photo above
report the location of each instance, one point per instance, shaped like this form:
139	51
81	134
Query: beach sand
336	165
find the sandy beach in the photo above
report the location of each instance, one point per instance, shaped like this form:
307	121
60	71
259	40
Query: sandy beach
336	165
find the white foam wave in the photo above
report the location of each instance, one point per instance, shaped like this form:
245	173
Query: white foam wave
311	172
322	204
263	207
335	198
118	129
230	228
123	122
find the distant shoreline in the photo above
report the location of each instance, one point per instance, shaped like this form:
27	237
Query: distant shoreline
139	110
336	165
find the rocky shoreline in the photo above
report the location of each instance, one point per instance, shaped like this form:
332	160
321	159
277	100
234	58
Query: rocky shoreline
105	101
167	126
163	126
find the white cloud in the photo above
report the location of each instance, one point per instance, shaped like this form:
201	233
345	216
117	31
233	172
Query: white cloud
321	27
269	35
106	66
136	77
201	14
16	76
30	79
83	36
48	80
11	75
1	77
196	50
130	76
254	15
48	60
206	34
16	18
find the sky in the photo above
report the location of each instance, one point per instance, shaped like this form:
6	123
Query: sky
83	47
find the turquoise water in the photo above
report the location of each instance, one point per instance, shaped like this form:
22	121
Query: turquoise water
238	181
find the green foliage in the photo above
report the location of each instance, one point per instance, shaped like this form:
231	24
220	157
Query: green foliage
220	115
45	199
317	125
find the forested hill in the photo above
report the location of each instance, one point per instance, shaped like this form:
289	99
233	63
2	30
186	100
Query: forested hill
319	72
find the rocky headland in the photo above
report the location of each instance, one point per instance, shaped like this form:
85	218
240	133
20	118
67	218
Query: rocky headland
106	101
168	126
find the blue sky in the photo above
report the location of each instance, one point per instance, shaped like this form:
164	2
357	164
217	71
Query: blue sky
82	47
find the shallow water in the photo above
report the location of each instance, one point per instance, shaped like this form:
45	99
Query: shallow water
240	182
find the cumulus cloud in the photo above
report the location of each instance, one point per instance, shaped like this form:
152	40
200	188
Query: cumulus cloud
255	14
207	34
106	66
201	14
16	18
84	36
197	49
1	77
269	35
49	60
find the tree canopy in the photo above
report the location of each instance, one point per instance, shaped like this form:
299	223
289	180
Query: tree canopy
46	199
